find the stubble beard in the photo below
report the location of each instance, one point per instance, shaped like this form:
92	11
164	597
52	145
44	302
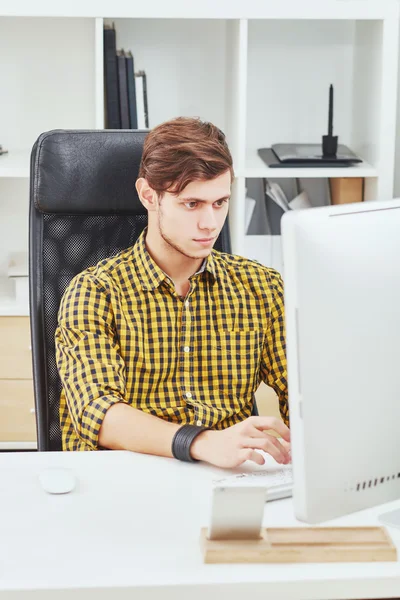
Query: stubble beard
172	244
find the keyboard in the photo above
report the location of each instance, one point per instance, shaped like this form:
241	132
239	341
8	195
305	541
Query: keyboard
277	481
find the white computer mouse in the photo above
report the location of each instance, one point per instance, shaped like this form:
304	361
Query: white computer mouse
57	480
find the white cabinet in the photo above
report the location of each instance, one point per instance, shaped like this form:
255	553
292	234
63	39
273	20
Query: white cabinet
17	414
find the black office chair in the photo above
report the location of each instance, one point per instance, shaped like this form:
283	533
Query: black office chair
83	208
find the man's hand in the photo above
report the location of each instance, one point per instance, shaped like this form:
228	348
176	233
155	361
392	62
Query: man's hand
233	446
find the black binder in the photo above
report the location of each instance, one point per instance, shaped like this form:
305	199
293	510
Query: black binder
123	89
113	117
130	76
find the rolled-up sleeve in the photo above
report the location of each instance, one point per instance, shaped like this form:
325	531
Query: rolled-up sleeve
273	369
89	362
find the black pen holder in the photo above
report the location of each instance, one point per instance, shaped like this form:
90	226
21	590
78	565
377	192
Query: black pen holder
329	145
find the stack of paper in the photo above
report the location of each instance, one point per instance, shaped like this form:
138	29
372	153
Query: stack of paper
18	272
275	192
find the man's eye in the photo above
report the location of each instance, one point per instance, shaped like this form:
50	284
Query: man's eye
190	204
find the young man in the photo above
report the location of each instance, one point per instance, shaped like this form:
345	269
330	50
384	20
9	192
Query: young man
161	348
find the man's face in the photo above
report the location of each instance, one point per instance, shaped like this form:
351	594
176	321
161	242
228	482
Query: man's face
190	223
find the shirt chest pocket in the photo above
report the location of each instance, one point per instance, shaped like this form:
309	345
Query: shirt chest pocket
236	357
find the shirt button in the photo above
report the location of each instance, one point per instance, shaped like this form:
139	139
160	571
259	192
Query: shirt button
187	303
188	395
186	349
199	423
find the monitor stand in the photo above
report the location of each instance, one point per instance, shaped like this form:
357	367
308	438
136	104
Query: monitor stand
391	518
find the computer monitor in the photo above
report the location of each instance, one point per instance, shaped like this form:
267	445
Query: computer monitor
342	304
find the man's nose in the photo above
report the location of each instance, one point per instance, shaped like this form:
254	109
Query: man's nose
207	220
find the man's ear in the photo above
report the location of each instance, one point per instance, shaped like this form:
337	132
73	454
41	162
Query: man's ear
148	197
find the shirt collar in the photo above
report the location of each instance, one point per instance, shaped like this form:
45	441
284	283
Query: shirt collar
150	274
209	264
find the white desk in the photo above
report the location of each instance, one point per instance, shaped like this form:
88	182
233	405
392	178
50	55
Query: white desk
133	525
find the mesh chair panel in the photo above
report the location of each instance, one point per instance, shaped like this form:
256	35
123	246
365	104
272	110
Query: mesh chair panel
70	245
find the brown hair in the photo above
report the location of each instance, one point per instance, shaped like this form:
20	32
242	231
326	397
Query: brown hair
183	150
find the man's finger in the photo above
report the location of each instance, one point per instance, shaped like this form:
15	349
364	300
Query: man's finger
286	445
272	423
271	446
283	447
249	454
258	434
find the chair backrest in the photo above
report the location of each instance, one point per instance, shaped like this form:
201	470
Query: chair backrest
83	208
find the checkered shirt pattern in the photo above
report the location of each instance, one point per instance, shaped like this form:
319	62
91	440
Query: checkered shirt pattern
125	335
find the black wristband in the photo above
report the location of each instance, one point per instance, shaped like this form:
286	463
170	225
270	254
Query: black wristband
182	441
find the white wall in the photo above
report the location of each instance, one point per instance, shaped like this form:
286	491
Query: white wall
397	155
287	97
47	81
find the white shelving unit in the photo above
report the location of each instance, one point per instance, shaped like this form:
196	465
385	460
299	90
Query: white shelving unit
259	69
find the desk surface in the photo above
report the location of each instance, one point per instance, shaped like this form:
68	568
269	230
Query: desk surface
133	523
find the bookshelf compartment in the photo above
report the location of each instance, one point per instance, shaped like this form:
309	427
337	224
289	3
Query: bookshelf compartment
290	67
185	63
47	81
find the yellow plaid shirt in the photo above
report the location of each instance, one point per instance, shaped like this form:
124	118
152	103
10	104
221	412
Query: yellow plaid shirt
125	335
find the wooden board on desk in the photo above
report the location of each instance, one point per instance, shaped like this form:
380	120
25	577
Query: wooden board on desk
304	545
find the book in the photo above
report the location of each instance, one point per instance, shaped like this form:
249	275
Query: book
277	203
250	204
123	89
317	189
346	189
112	110
130	77
255	209
145	104
141	100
